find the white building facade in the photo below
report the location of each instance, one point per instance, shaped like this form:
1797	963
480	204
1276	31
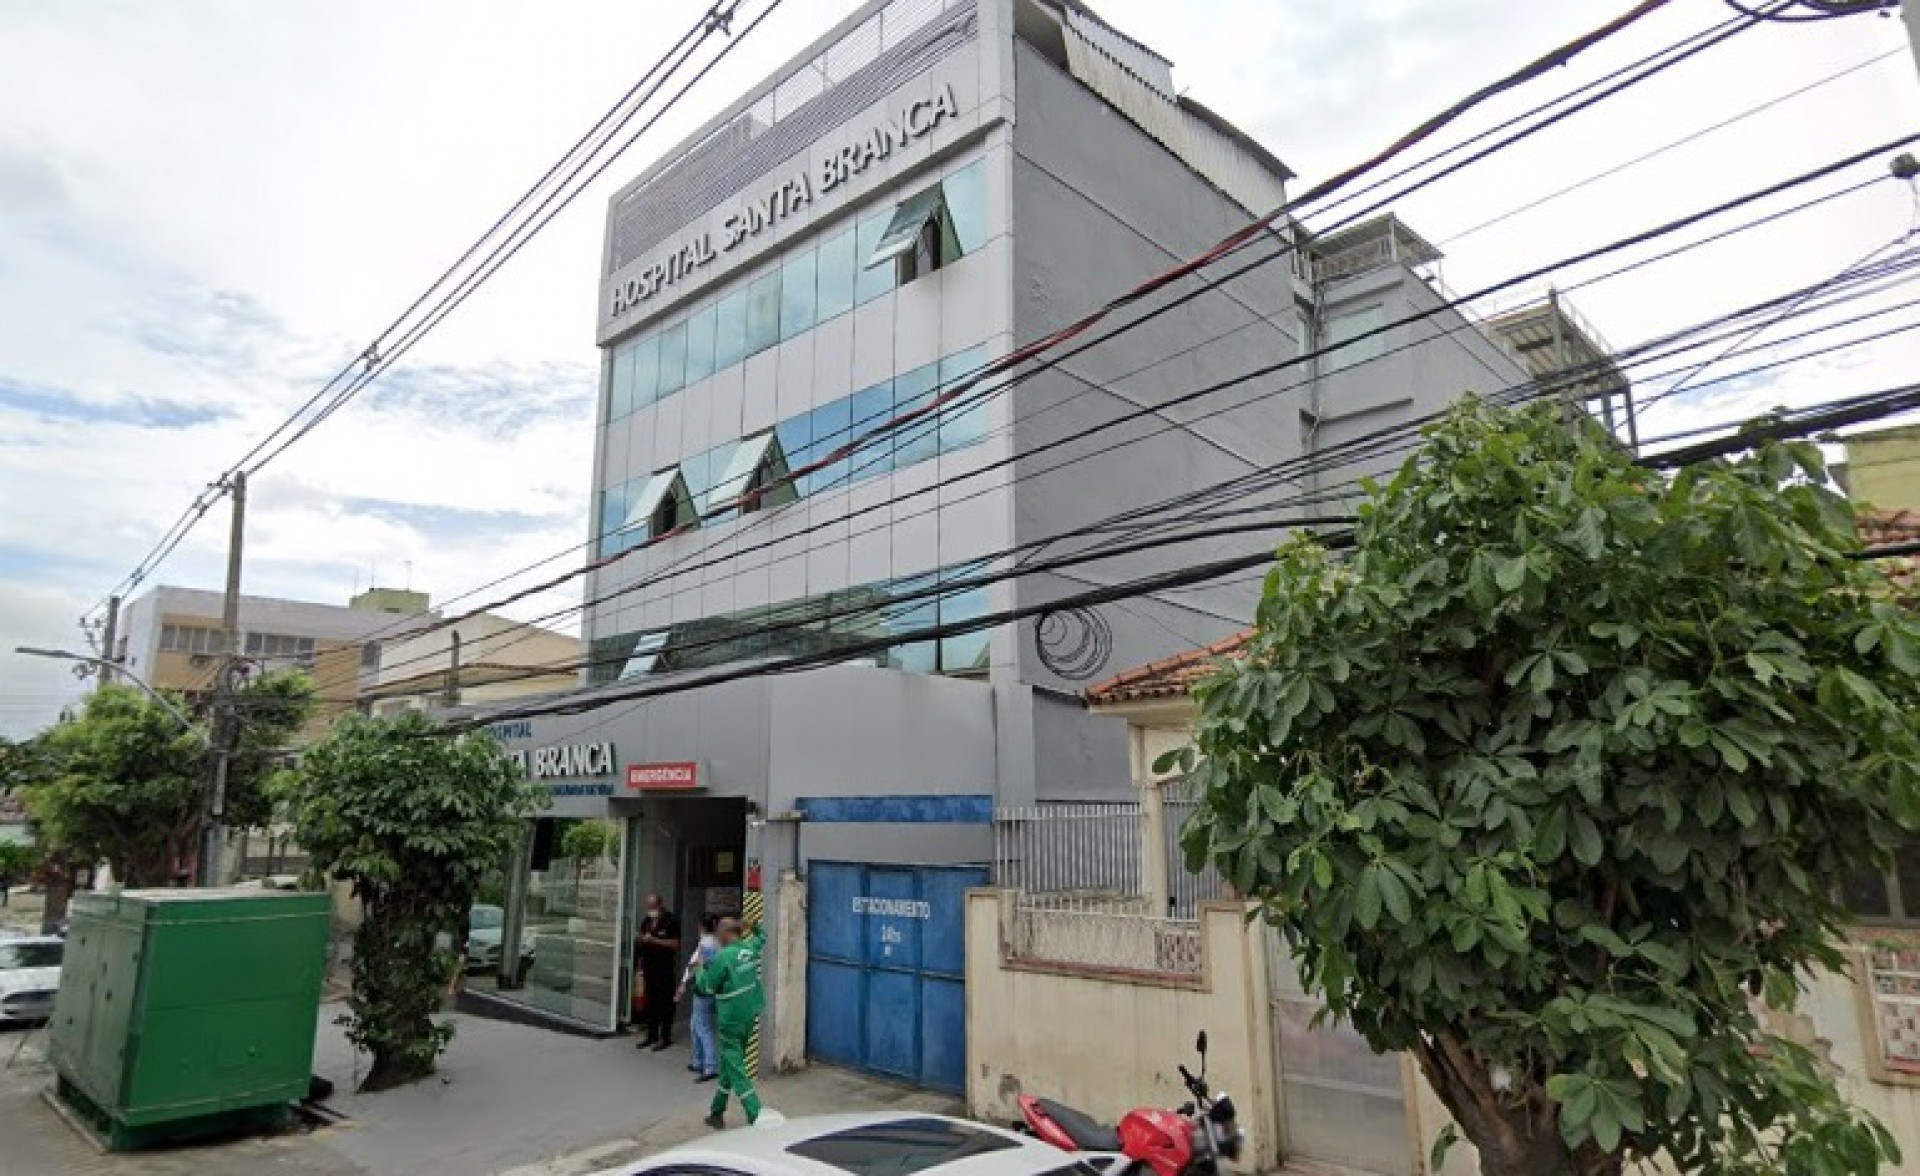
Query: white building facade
929	186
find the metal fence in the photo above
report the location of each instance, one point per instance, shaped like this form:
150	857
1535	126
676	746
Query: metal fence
1099	850
1087	849
1187	890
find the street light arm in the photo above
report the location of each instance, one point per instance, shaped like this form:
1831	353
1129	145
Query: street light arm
102	663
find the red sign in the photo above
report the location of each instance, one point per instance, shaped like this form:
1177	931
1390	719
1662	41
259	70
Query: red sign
662	777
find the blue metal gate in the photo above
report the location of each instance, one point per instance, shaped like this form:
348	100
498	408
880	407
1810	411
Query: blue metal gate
886	969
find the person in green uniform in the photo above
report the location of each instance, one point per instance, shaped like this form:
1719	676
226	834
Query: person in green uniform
732	979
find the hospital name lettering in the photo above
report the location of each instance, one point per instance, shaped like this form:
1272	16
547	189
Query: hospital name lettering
567	760
916	120
899	908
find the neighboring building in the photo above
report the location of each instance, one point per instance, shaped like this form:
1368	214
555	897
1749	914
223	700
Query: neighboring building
15	827
930	185
1882	468
483	659
170	637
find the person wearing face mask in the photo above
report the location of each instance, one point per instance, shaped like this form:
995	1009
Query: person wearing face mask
706	1058
657	956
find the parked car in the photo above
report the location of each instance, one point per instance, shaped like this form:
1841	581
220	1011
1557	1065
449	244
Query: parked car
897	1144
486	923
29	977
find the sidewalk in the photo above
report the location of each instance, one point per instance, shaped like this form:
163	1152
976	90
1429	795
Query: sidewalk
508	1099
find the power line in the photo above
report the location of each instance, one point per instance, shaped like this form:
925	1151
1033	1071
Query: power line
454	300
714	19
1670	145
1558	57
669	573
1899	399
1405	142
1535	389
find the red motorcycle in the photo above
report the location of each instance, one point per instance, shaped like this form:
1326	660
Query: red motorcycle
1147	1141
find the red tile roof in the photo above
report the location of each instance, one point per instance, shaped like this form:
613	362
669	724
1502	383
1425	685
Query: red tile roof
1167	678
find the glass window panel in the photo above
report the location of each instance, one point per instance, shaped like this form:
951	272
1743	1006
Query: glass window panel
569	930
838	263
967	205
1346	330
915	657
870	283
763	313
719	458
797	279
872	407
965	651
920	439
730	330
1865	894
698	471
910	218
700	330
620	382
901	1148
795	435
673	359
963	421
831	425
646	371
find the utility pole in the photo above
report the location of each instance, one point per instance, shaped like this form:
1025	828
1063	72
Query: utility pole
223	718
108	637
450	697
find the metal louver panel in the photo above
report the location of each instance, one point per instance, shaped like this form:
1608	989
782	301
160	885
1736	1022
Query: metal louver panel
763	135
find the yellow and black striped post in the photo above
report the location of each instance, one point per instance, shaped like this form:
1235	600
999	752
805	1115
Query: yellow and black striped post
752	906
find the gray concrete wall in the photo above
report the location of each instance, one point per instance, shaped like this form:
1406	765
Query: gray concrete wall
1098	207
859	731
1420	369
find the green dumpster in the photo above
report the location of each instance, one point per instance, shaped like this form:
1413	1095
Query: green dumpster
184	1013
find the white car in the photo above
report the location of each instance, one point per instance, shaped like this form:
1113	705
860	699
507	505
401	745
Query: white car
894	1144
486	923
29	977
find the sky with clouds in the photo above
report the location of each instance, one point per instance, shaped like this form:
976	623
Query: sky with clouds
208	206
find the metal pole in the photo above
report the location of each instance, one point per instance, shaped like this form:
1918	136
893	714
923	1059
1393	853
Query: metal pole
108	638
223	719
451	696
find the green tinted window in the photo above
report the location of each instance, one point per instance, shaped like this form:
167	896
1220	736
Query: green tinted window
763	313
700	330
838	265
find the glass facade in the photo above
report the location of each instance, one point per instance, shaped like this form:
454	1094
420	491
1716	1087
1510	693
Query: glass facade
561	950
818	624
715	477
811	286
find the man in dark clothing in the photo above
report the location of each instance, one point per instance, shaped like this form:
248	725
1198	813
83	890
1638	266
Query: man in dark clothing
657	958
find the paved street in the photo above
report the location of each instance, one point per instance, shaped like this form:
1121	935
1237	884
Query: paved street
509	1098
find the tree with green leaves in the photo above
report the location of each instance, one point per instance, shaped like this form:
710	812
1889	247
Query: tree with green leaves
415	820
1551	781
128	782
587	841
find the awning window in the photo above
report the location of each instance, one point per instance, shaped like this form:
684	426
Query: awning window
645	656
910	219
666	487
757	464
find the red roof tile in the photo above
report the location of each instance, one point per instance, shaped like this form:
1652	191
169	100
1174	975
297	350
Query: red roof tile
1167	678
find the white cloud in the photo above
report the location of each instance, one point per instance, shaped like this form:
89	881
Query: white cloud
212	205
